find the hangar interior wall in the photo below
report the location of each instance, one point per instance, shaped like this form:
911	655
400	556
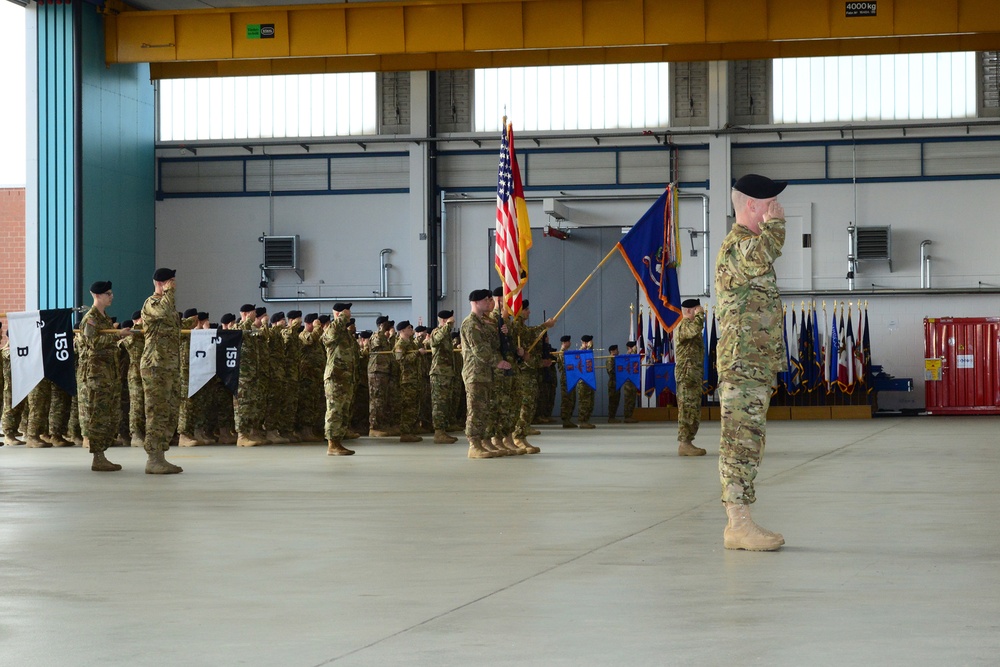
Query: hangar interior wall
932	183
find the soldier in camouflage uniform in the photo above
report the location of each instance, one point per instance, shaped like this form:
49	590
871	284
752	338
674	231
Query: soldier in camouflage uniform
408	353
98	363
338	378
425	418
480	356
310	407
222	408
689	350
359	409
458	386
548	383
185	416
630	392
160	370
614	395
584	392
133	345
503	399
567	400
442	374
751	350
39	401
11	414
276	379
247	405
356	347
527	379
379	379
292	351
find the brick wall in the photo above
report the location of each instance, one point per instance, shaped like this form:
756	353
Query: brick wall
11	250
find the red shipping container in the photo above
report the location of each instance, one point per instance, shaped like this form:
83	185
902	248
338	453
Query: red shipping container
962	365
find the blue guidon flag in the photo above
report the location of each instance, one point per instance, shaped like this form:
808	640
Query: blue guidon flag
650	249
627	370
41	346
579	368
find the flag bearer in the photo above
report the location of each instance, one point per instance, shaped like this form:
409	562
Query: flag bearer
689	347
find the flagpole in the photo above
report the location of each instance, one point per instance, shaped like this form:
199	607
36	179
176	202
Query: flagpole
578	289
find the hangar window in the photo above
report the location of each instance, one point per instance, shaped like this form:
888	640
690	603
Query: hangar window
264	107
586	97
889	87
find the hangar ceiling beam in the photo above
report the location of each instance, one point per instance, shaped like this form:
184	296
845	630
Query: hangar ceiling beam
461	34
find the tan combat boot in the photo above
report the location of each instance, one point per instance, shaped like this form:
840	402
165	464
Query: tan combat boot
742	533
11	441
495	446
35	441
409	437
55	440
138	440
508	444
442	438
587	425
613	420
334	448
246	440
275	438
157	465
532	431
688	449
477	451
525	446
204	437
227	436
102	464
185	440
351	435
376	433
630	420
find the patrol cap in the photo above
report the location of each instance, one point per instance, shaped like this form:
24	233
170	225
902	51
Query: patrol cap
323	319
292	314
690	303
420	328
445	314
586	338
366	334
311	317
479	294
260	310
404	324
565	339
759	187
381	319
277	317
612	348
498	291
227	318
341	305
137	315
248	307
163	275
202	316
100	287
190	312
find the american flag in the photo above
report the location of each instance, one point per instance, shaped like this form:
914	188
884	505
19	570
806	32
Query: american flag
513	235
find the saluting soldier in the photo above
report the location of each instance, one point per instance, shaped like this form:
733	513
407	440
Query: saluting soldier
408	353
584	392
689	350
442	374
379	380
338	378
160	370
480	357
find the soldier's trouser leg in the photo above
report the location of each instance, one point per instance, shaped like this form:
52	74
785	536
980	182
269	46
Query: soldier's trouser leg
502	388
744	415
586	399
136	404
567	404
688	410
59	410
11	414
629	394
528	394
104	408
160	387
477	403
409	408
441	397
614	398
335	423
39	400
378	401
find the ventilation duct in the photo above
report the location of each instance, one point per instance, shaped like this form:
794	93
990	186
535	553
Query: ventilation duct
875	243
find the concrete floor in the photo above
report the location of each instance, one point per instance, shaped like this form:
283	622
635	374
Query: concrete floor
605	549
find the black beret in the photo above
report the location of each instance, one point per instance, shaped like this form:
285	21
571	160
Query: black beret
202	316
260	310
381	319
277	317
227	318
247	307
612	348
292	314
479	294
137	315
759	187
403	325
163	275
420	328
128	324
311	317
392	324
114	320
190	312
456	334
630	343
324	319
340	305
524	303
690	303
565	339
586	338
445	314
367	333
100	287
350	322
498	291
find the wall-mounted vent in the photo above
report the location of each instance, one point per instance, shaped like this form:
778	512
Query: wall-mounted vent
875	243
281	252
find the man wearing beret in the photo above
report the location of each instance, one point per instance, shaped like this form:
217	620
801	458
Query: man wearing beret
750	350
443	377
379	376
480	357
311	406
160	370
338	378
689	348
359	409
614	394
291	348
248	406
525	336
630	393
98	362
408	355
133	346
567	399
584	392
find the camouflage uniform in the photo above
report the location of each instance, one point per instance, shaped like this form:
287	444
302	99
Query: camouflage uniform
186	414
504	400
480	355
585	397
442	375
292	352
567	401
750	350
133	346
527	378
39	402
60	404
458	386
160	369
277	378
11	414
310	409
547	385
249	407
359	411
408	356
338	376
99	403
392	417
689	348
614	394
630	395
425	415
379	370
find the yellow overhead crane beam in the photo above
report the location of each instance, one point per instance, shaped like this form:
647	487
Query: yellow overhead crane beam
465	34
